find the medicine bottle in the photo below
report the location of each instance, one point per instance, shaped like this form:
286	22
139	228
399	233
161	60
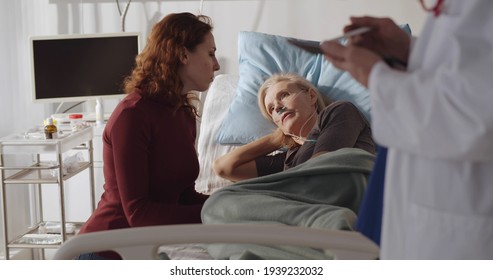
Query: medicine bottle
50	129
75	121
99	112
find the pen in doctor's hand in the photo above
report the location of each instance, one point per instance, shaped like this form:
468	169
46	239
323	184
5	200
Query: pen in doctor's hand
351	33
391	61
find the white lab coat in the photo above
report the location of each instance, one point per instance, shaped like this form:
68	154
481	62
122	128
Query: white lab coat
437	121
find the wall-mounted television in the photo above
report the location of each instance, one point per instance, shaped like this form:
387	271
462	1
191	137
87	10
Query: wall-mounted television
81	67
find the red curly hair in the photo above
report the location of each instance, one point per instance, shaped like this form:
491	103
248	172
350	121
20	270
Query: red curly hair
156	67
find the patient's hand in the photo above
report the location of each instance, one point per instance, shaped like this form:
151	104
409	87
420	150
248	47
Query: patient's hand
239	164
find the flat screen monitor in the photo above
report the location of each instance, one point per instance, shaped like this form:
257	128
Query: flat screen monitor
81	67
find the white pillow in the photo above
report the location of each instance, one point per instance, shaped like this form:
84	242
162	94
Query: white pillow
216	104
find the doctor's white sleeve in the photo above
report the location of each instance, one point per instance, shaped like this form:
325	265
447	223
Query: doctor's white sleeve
443	112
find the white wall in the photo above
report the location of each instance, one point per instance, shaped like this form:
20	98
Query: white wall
308	19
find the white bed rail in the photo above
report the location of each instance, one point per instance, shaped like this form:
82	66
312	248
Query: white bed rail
143	242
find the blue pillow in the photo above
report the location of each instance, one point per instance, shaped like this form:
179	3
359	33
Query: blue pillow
262	55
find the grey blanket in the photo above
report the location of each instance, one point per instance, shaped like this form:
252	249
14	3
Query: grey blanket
324	192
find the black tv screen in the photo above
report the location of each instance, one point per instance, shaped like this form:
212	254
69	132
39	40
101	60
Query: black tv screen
81	67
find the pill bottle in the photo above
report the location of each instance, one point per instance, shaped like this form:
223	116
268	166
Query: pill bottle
76	122
50	129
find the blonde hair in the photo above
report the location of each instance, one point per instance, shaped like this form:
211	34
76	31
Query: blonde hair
300	82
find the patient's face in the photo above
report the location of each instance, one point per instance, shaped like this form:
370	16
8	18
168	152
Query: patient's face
289	106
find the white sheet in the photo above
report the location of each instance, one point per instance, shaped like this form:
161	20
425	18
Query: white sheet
185	252
216	105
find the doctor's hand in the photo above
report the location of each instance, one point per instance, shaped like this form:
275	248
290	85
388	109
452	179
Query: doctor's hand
385	37
355	60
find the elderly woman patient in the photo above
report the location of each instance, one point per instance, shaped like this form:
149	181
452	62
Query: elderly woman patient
306	126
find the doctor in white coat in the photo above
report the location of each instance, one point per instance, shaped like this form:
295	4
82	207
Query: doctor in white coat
435	115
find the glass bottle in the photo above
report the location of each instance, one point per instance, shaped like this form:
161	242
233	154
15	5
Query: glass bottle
50	129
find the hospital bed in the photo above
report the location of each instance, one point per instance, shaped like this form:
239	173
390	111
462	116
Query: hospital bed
144	242
260	56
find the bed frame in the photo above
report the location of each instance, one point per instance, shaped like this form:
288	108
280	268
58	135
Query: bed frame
142	243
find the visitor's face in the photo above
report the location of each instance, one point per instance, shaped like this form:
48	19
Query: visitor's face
198	67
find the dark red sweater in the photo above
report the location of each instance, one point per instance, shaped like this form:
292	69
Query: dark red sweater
150	167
